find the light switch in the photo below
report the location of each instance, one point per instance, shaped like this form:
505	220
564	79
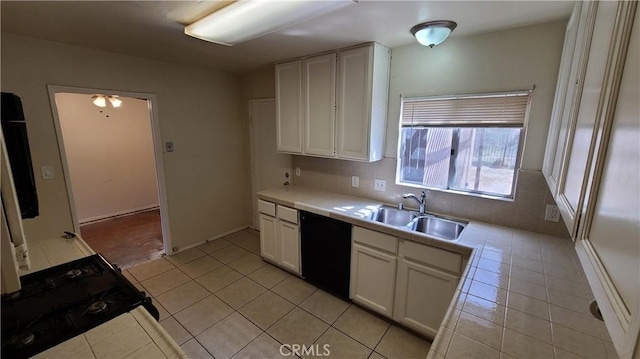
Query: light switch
168	146
355	181
47	172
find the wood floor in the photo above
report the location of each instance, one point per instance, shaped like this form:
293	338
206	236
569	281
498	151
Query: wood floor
126	241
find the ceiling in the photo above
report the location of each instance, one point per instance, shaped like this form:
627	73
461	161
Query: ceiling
155	29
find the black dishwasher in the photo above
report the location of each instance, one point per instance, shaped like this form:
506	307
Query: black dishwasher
326	252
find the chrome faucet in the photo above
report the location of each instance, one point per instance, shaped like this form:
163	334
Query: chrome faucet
422	202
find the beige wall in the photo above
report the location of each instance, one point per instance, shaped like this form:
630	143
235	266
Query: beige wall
498	61
110	155
199	110
513	59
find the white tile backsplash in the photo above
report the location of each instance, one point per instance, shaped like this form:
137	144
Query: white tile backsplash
525	212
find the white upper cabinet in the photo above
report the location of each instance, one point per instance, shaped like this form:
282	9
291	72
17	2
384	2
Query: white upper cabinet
565	88
570	189
319	105
343	104
363	83
289	107
591	164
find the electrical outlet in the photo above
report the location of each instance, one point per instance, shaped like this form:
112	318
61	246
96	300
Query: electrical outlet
551	213
297	171
380	185
355	181
168	146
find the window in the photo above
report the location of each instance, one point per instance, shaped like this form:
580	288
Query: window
466	143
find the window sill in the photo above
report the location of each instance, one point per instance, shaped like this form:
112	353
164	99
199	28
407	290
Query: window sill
464	193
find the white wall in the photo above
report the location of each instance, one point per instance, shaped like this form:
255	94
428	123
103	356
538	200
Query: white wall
199	110
110	155
513	59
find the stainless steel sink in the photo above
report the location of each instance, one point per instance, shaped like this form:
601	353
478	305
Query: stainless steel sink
393	216
438	227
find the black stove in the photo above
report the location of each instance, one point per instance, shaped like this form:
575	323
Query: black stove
60	302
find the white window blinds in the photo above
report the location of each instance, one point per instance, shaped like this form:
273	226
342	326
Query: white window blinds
502	109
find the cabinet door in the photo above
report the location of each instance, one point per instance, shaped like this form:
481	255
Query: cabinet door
320	101
373	275
553	139
423	295
268	238
289	107
289	246
354	102
589	111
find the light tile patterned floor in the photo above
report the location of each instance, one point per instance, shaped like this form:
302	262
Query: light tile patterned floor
221	300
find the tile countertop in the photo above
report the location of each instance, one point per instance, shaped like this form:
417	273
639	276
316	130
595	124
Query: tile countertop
522	294
135	334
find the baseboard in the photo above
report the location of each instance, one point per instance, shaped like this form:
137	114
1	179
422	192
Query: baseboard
209	239
113	215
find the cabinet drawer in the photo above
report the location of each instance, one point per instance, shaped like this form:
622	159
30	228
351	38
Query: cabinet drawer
288	214
375	239
267	208
431	256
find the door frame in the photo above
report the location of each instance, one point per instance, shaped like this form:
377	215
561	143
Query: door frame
152	103
255	220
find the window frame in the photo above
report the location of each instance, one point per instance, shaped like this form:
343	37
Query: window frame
455	141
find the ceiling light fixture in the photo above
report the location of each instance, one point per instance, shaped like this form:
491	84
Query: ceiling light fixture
433	32
245	20
115	101
101	100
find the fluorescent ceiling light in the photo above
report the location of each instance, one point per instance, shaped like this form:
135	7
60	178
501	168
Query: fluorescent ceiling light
245	20
433	32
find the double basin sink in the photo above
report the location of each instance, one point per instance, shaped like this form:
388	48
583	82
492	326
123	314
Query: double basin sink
436	226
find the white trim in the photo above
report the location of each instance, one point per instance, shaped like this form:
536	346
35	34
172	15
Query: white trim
152	102
255	221
210	239
623	327
108	216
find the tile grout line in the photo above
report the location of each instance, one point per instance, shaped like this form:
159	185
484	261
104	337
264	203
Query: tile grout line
263	331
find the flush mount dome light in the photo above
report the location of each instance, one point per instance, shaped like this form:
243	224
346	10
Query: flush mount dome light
433	32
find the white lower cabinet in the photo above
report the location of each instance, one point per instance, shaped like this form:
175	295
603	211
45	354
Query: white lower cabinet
268	238
425	284
423	295
279	236
373	270
410	282
289	248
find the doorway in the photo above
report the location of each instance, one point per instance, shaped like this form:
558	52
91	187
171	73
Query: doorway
269	169
112	166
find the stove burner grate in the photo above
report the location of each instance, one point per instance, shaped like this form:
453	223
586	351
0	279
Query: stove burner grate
22	340
97	307
73	274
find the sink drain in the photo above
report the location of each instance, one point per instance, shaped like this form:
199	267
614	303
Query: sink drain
595	310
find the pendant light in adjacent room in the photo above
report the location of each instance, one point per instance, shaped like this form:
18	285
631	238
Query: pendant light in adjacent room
101	100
